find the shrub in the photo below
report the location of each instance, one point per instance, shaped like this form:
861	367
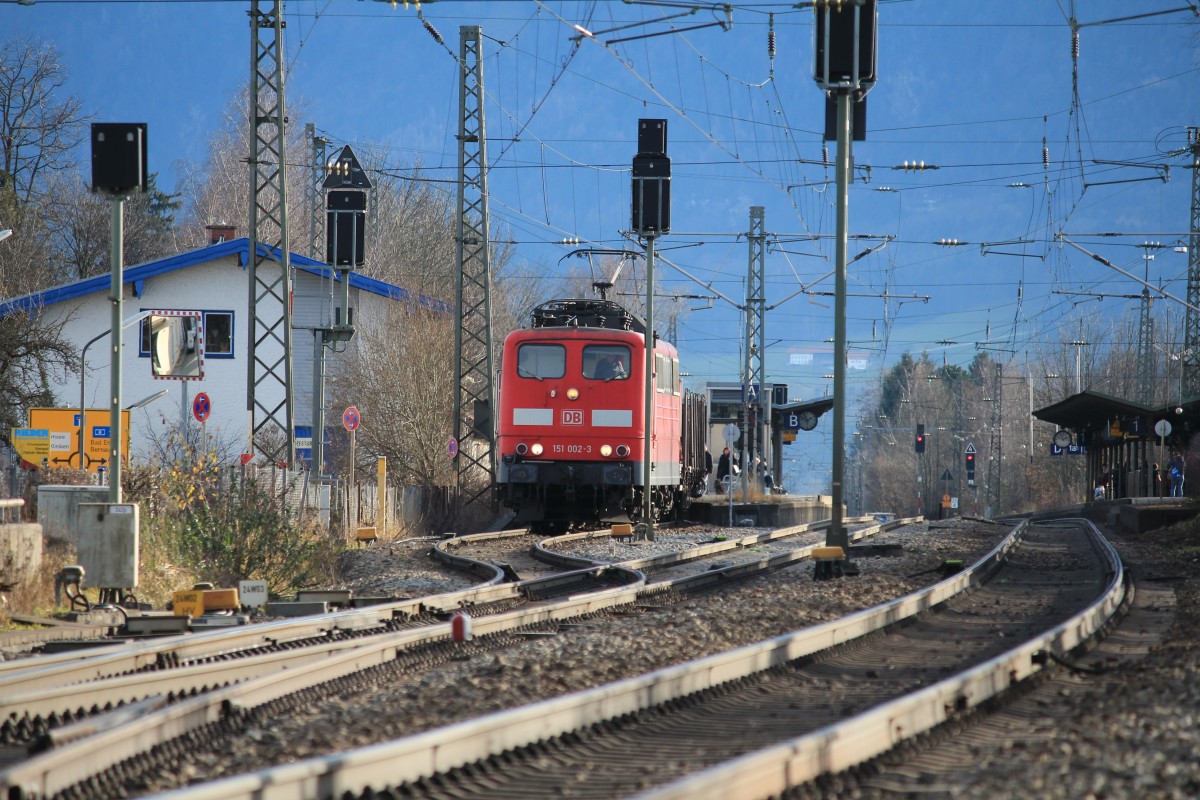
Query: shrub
200	522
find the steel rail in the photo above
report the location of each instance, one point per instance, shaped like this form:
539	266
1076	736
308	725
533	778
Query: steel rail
409	759
25	675
839	747
94	745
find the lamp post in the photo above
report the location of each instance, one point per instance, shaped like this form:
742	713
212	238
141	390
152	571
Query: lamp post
82	400
83	382
145	401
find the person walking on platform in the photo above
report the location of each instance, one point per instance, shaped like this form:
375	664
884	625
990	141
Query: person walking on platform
1175	473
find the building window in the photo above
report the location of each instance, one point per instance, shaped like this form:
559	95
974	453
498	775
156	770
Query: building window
218	334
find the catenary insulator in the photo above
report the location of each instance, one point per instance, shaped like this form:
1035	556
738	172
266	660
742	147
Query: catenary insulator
433	32
1075	46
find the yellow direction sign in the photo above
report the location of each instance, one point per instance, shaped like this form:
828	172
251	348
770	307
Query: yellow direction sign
63	424
32	444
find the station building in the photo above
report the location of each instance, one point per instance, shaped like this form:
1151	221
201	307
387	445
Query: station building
212	281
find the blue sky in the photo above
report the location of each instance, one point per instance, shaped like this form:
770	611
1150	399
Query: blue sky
974	88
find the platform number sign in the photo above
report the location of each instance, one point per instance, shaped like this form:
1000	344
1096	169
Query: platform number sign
351	419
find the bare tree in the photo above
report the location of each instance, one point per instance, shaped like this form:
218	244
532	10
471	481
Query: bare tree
218	191
31	352
80	227
38	126
401	379
38	129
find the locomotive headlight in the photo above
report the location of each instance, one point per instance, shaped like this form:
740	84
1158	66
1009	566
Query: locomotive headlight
622	451
522	449
536	449
572	394
606	450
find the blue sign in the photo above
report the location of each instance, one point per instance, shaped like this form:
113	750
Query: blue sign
304	432
1071	450
76	423
101	432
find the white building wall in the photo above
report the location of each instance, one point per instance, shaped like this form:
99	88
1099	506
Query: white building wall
221	285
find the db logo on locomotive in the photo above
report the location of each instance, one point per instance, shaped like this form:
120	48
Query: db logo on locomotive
572	416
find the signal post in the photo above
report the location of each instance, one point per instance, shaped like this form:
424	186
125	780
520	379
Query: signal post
844	68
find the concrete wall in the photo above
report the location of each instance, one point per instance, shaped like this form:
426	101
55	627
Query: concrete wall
58	509
763	514
1141	518
20	552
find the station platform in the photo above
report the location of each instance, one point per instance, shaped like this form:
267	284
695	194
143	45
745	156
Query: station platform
1133	514
763	511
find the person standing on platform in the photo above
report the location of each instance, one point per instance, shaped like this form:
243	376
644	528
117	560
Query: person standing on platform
725	466
707	467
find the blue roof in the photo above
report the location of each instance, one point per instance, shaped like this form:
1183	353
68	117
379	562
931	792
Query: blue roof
240	247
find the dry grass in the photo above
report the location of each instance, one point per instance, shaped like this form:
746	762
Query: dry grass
35	596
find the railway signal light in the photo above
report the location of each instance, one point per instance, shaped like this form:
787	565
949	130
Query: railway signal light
920	442
970	467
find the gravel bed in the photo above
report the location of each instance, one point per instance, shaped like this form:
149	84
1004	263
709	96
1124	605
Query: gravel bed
596	652
402	568
603	547
1128	732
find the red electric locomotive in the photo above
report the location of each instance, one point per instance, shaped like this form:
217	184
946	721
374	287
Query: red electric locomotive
571	424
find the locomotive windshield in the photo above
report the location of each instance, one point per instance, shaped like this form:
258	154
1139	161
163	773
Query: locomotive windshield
541	361
606	362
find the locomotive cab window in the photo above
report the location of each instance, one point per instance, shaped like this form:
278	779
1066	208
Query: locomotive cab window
606	362
541	361
662	374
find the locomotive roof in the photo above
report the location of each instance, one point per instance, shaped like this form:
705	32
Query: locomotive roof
585	313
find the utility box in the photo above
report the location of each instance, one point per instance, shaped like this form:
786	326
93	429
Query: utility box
58	509
118	157
651	195
346	227
652	137
108	544
844	44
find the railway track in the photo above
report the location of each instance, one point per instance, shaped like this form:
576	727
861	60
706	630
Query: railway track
40	697
760	719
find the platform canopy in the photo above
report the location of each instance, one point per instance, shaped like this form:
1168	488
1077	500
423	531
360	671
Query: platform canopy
1089	410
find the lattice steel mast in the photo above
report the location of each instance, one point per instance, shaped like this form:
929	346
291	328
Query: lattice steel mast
1191	333
754	365
995	447
1145	351
474	401
314	193
269	382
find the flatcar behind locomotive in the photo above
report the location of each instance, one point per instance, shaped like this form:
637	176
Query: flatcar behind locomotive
571	428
